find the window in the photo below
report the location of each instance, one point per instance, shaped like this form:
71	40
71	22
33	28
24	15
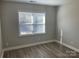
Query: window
31	23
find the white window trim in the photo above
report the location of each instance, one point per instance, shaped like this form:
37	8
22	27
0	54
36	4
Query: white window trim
32	23
32	34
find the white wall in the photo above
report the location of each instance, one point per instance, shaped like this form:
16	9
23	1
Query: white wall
0	34
10	24
0	40
68	21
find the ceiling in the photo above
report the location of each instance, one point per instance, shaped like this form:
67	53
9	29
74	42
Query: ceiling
42	2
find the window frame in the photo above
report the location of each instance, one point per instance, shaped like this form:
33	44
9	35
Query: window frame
32	24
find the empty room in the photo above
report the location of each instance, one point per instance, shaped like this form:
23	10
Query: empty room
39	29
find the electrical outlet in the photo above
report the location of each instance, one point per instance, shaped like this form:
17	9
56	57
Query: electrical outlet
72	42
7	44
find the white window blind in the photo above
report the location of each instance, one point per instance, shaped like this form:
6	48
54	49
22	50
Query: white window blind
31	23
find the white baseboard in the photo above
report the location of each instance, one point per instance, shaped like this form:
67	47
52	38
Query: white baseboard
38	43
28	45
71	47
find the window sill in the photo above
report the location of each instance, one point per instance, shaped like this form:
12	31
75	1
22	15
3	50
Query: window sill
31	34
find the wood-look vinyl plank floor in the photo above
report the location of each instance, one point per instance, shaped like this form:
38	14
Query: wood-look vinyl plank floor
48	50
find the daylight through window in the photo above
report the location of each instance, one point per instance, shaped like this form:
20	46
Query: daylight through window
31	23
